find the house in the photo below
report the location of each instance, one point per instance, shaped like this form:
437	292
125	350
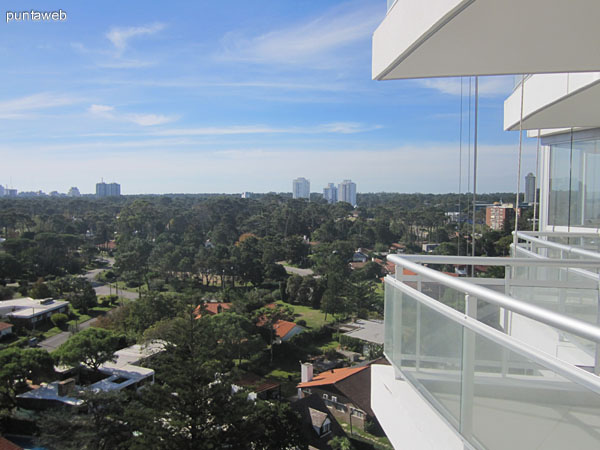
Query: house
264	389
211	308
5	444
5	329
108	245
28	311
397	248
346	392
122	373
370	331
360	255
528	377
285	330
319	425
429	248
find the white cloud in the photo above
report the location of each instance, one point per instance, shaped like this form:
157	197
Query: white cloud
21	107
317	41
497	86
145	120
336	128
120	36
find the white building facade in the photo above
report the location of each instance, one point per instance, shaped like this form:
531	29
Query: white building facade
301	188
347	192
509	362
330	193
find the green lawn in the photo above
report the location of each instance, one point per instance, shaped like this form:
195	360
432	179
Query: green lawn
377	441
313	317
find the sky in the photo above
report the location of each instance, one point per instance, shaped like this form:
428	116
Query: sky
232	96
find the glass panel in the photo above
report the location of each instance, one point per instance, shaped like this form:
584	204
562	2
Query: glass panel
435	367
574	184
530	406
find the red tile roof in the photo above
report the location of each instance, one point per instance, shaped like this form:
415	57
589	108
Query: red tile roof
5	444
4	326
283	327
332	376
211	308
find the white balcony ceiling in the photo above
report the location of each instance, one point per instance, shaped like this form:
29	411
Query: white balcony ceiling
441	38
555	101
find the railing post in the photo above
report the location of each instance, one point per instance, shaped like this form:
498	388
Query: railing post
468	371
597	355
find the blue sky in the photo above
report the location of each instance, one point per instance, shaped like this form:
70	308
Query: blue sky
227	97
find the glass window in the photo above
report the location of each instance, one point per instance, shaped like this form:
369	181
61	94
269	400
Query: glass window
574	184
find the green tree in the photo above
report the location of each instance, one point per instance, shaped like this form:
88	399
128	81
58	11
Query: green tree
91	347
40	290
101	426
18	365
59	320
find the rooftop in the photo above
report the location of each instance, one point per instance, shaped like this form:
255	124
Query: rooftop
332	376
26	307
367	330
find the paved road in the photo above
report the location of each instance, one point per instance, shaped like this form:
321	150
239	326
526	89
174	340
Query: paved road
52	343
103	289
297	271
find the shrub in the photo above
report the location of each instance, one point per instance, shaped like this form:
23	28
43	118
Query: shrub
59	320
301	322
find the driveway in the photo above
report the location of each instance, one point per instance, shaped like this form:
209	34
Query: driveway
52	343
297	271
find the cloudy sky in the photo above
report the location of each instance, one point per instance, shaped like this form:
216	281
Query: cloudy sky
231	96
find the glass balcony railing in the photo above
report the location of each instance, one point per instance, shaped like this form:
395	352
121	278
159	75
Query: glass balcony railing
479	358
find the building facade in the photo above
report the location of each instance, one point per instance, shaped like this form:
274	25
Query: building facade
108	189
512	361
347	192
496	215
74	192
301	188
530	188
330	193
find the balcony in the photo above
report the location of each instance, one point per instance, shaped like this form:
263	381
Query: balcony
555	101
440	38
506	362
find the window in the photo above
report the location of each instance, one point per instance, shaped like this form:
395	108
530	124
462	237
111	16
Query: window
325	396
326	428
340	407
333	398
358	413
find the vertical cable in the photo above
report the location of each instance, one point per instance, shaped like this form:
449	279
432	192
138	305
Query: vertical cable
475	162
469	162
515	238
535	185
459	168
570	181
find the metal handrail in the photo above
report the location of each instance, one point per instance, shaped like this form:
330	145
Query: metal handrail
557	246
499	261
591	233
551	318
558	366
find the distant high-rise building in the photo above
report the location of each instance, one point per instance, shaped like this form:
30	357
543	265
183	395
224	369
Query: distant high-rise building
10	192
530	188
301	188
330	193
246	194
74	192
347	192
108	190
2	191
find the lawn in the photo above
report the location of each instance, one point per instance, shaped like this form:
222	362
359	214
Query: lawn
313	317
378	442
